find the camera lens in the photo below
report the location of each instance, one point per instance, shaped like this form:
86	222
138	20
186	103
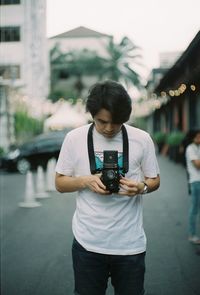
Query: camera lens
110	174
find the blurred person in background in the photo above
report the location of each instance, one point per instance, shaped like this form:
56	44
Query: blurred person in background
109	239
193	169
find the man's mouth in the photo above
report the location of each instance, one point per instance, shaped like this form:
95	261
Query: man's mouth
110	134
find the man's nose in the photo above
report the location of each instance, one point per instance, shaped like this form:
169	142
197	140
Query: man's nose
109	127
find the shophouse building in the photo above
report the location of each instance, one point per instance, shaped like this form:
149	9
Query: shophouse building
24	66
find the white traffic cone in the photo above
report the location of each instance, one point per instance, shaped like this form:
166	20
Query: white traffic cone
29	197
40	184
50	175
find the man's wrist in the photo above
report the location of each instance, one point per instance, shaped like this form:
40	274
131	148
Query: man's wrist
145	188
81	182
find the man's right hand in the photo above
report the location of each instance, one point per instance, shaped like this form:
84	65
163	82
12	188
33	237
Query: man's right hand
94	183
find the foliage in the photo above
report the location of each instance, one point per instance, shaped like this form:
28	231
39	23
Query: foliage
118	66
58	93
77	64
139	122
1	151
26	126
159	137
175	138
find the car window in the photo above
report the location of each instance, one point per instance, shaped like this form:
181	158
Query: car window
28	146
49	143
44	142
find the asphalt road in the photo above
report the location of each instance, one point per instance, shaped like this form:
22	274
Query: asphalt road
36	243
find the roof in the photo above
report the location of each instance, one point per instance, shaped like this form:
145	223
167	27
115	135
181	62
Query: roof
81	32
187	66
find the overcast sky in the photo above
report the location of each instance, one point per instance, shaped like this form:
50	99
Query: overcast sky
154	25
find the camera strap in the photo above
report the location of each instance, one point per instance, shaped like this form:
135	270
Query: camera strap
91	150
91	154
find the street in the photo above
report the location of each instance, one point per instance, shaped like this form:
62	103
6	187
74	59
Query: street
36	242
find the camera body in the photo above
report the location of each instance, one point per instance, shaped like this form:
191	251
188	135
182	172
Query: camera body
110	172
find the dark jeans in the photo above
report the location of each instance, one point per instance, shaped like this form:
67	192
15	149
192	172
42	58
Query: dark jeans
92	270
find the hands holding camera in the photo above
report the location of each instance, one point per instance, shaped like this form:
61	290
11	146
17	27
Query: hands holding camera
130	187
127	186
94	183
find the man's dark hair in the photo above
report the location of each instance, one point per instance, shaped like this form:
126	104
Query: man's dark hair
191	134
113	97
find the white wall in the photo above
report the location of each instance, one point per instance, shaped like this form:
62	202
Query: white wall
12	15
31	52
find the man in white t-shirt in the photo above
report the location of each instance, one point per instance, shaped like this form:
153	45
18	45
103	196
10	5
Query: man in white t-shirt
193	168
109	238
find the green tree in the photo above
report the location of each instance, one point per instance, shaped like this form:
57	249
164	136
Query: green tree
83	63
122	58
76	64
26	126
57	64
118	66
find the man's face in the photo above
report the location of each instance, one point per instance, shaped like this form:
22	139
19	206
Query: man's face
197	139
104	125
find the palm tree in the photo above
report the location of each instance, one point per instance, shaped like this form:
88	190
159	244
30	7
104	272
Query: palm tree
57	61
121	59
78	63
118	65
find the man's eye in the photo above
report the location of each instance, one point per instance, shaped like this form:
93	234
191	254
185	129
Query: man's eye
102	122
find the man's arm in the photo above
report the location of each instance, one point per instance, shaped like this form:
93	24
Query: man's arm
71	184
196	163
152	183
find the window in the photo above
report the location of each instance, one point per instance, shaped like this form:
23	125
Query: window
9	2
10	34
9	72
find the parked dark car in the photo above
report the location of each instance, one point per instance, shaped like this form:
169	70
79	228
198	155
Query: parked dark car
37	151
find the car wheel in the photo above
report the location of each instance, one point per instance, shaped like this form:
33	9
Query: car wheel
23	166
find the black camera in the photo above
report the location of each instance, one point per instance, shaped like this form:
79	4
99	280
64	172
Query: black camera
110	172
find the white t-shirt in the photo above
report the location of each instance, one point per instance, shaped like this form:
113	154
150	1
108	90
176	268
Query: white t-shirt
193	153
108	224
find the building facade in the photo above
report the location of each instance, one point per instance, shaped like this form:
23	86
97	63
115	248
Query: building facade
181	86
23	53
75	41
177	103
81	38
